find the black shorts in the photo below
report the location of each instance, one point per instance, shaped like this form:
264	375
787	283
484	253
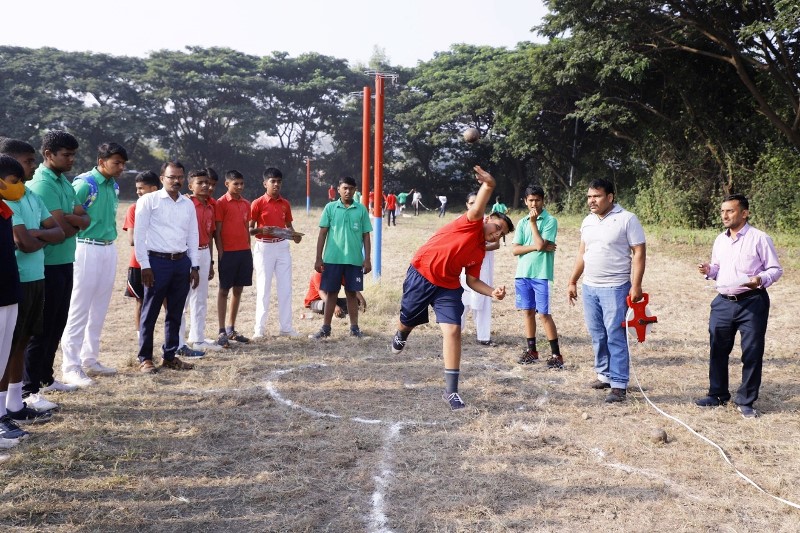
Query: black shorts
31	307
335	275
236	269
134	288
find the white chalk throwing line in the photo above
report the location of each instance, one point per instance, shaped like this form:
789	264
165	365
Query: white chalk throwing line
378	521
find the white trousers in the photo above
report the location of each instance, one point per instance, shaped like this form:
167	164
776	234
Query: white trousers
273	258
481	305
197	304
8	320
92	284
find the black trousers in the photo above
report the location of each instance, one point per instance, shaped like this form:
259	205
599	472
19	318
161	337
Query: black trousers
171	284
749	318
41	350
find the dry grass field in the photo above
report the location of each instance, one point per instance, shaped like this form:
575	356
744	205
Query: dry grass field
296	435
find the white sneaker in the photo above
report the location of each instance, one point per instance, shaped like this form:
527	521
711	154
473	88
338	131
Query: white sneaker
8	443
204	346
39	403
77	378
57	386
94	368
290	333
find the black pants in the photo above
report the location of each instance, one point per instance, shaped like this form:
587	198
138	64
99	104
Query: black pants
171	283
390	217
41	350
749	318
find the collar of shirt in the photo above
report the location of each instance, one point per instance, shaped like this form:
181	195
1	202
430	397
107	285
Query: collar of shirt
162	194
98	176
197	201
48	173
230	198
615	208
739	234
340	203
271	199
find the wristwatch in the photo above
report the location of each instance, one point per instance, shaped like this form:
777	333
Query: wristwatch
196	269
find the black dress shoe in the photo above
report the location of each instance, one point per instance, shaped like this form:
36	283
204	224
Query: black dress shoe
710	401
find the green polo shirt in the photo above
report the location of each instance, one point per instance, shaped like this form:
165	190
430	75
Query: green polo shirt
536	265
401	198
57	195
29	211
346	229
103	211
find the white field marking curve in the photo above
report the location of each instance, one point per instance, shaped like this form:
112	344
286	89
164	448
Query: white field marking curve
377	516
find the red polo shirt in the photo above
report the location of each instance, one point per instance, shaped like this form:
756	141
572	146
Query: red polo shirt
391	202
268	211
205	220
458	245
234	215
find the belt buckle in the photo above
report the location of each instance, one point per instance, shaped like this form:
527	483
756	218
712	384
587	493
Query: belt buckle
733	297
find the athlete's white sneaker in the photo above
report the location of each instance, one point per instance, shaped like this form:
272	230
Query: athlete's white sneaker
94	368
57	386
78	378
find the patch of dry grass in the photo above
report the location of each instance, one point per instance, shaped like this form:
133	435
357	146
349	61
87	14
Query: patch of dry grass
295	435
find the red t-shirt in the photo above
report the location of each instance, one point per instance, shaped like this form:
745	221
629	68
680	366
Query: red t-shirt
205	220
313	289
234	215
391	202
458	245
268	211
130	217
331	194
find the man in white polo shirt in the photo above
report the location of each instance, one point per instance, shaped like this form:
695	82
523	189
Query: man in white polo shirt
612	256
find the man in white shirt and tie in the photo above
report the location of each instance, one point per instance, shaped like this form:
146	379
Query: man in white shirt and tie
165	242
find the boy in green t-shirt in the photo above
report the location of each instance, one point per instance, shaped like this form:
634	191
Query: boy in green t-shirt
344	230
535	246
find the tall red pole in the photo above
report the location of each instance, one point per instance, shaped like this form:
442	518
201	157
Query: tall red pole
365	149
378	147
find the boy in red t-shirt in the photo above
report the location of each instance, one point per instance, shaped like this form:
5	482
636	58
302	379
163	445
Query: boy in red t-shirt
390	201
232	238
145	182
433	279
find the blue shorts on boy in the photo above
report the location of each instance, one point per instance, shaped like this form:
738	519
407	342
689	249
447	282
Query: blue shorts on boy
236	269
533	294
419	293
333	275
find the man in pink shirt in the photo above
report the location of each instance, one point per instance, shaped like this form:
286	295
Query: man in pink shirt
743	263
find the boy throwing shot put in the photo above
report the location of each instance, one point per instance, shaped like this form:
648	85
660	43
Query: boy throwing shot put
535	246
433	279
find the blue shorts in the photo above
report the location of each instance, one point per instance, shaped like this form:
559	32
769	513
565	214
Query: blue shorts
335	274
236	269
419	293
533	294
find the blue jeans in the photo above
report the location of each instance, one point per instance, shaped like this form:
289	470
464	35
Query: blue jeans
604	310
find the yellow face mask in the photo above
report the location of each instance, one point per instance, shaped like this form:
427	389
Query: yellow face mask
13	191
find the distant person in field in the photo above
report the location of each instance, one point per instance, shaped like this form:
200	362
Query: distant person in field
442	204
480	305
331	193
146	182
743	263
433	279
416	201
390	201
611	258
500	207
54	188
166	243
315	299
95	263
535	246
232	238
343	248
402	198
270	218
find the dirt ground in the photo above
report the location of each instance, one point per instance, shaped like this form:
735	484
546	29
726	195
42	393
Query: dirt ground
300	435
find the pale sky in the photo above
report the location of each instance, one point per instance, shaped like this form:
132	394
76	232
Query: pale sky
408	30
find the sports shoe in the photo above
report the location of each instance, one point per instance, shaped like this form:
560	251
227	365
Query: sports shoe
222	340
185	351
747	411
528	357
57	386
357	333
616	395
39	403
94	368
8	443
556	362
489	343
710	401
454	400
398	343
78	378
291	333
26	415
10	430
206	346
176	364
323	333
147	367
237	337
599	385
